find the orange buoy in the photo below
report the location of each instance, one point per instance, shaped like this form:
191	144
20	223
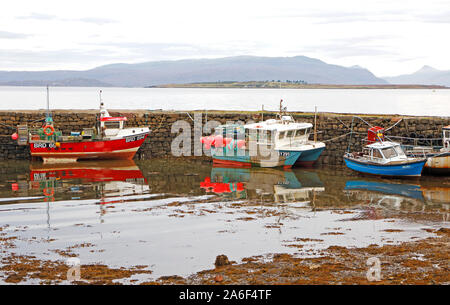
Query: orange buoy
14	136
49	133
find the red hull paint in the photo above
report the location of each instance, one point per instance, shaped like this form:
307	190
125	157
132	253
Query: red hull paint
229	163
220	187
124	148
99	171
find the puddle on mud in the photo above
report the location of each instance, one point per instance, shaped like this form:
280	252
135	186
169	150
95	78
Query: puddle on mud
176	216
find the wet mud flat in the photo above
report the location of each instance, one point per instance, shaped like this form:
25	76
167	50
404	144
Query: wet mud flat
194	224
421	262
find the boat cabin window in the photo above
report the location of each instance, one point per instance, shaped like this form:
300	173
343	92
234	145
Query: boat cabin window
300	133
290	133
281	135
399	150
376	154
265	136
112	125
389	152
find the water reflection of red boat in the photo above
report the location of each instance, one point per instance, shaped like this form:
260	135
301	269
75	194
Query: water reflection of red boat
106	178
221	187
117	170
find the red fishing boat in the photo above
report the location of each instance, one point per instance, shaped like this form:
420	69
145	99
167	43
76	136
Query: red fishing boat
108	139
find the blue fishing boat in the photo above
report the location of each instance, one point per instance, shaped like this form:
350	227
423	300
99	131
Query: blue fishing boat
384	158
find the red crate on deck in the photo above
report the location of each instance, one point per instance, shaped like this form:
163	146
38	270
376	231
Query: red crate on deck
375	134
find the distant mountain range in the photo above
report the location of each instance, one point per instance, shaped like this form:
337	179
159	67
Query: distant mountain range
238	68
425	76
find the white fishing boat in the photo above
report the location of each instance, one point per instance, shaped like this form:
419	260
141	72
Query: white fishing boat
271	143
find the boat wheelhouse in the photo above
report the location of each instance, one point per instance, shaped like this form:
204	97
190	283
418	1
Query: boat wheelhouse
287	134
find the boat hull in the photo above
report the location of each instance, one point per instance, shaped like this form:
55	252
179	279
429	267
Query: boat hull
285	158
439	163
123	148
406	169
309	157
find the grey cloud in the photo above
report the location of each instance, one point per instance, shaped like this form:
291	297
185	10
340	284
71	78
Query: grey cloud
443	17
330	17
45	17
353	47
161	51
38	16
95	20
13	59
11	35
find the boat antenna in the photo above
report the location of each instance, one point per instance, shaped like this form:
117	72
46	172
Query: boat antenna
100	96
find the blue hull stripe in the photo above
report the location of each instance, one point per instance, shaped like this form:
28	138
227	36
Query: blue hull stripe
410	169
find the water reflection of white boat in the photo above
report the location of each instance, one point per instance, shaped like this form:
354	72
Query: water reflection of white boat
282	186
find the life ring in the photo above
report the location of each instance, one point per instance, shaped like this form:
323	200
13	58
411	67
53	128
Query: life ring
47	193
52	130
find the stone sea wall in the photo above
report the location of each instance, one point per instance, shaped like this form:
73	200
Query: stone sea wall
332	128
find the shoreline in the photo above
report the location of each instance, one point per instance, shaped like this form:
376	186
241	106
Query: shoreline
285	85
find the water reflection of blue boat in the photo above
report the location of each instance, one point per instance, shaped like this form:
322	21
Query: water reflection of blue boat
284	186
406	190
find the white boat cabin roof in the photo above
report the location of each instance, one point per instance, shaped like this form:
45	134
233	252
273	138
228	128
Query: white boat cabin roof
381	145
279	125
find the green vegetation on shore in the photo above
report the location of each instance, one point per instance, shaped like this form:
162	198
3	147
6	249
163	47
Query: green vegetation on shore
290	85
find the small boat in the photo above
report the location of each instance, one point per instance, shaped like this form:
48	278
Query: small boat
384	158
278	142
108	139
438	159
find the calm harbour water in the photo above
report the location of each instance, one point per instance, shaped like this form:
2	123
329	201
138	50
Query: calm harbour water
176	216
420	102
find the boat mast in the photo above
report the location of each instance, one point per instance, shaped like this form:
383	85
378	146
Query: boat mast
48	103
48	118
315	124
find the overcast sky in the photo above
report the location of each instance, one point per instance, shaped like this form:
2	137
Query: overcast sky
386	37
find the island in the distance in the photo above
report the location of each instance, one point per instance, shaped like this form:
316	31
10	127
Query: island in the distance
291	85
